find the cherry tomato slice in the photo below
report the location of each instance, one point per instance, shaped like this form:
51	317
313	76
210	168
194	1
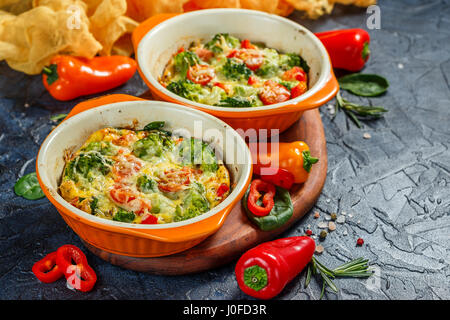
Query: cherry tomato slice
252	58
272	92
201	74
296	73
121	195
204	54
280	177
246	44
126	166
256	186
174	180
299	89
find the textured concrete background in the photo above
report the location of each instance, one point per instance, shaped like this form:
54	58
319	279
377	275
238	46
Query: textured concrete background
393	187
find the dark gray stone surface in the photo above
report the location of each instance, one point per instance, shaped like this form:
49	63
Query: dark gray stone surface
396	185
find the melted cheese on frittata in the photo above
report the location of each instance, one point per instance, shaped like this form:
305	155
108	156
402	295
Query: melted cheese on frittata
144	177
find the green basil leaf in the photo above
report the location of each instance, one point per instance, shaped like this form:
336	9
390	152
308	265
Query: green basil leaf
366	85
280	214
28	187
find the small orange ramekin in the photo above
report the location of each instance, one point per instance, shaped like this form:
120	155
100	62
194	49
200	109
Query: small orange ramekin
140	240
158	38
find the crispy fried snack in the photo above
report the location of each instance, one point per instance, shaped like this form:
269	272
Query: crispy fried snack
76	27
33	31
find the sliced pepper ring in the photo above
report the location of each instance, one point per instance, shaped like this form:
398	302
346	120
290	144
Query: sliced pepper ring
46	269
75	267
256	186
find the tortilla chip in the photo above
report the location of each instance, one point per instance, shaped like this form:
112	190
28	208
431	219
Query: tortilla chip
312	8
15	6
359	3
207	4
140	10
269	6
284	9
28	41
108	24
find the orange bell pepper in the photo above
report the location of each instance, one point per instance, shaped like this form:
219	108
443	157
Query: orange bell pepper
69	77
294	157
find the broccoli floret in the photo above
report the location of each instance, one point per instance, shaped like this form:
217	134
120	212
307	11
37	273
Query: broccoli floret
124	216
187	89
147	185
289	84
235	70
153	145
197	152
215	44
194	204
183	60
236	102
87	165
290	60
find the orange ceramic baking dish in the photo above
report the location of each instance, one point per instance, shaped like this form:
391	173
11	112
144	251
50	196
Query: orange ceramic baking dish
158	38
120	111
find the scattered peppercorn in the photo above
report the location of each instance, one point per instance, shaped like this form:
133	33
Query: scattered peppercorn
323	234
360	242
316	215
308	232
333	216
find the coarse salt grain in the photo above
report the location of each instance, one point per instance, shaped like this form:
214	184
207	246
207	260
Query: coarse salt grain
340	219
322	225
367	135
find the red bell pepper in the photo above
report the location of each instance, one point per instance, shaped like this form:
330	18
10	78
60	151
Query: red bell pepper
75	267
268	202
69	77
46	269
279	177
348	48
263	272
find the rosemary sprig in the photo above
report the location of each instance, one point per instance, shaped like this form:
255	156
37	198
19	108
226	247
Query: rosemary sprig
355	111
357	268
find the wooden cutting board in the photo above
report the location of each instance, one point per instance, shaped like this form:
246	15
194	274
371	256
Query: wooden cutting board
238	234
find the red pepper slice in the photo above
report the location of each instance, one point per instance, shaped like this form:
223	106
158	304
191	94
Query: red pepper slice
263	272
151	219
279	177
75	267
348	48
46	269
256	186
222	189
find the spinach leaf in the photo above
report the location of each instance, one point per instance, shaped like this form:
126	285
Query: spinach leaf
235	102
281	212
366	85
28	187
155	125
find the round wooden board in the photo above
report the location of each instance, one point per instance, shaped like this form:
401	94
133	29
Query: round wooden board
238	234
